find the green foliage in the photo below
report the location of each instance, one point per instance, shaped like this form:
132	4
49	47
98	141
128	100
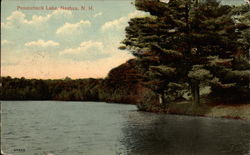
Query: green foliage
161	70
123	85
199	73
184	41
18	89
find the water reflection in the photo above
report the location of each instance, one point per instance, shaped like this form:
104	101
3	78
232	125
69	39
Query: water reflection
65	128
160	134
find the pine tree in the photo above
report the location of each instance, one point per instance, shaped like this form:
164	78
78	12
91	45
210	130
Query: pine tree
232	74
186	41
157	41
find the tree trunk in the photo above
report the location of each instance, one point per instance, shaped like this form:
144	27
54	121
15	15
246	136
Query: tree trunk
195	90
196	94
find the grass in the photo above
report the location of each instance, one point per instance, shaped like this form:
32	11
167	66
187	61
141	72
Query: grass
206	108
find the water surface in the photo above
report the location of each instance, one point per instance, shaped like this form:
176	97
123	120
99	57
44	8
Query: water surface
96	128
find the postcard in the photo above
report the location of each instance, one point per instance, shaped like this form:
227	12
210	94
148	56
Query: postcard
125	77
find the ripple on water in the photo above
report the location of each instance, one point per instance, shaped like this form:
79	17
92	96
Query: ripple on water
9	133
75	128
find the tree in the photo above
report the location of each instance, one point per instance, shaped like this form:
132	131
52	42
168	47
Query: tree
232	73
181	40
158	43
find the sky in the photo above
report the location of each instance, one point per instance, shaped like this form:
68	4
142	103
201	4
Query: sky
38	40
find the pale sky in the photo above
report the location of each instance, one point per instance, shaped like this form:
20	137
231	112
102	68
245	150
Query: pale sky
52	44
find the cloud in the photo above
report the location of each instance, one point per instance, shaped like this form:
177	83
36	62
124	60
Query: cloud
121	22
5	42
69	28
83	48
86	51
55	13
97	14
18	17
42	43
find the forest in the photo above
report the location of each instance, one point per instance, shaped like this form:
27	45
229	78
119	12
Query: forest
121	85
180	48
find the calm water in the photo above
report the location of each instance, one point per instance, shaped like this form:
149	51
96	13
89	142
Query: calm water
90	128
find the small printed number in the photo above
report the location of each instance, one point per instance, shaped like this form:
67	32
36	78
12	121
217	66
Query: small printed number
19	150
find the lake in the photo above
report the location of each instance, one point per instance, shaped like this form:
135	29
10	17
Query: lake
97	128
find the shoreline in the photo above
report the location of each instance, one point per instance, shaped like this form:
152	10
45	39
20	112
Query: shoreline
227	111
241	111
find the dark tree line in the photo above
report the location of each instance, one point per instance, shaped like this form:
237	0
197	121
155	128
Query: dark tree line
34	89
122	85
